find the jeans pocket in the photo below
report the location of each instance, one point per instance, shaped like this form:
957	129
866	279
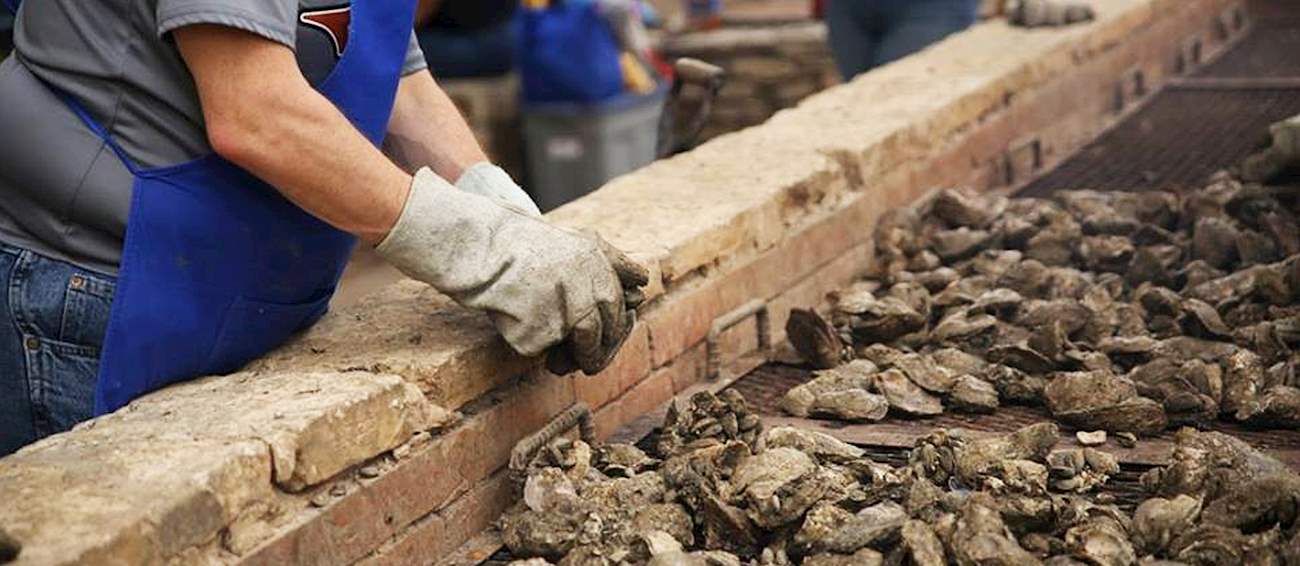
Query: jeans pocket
86	308
63	378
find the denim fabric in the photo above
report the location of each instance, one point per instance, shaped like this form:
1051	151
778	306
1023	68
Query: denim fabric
53	316
865	34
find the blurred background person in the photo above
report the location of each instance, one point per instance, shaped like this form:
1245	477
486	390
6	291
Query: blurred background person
467	38
865	34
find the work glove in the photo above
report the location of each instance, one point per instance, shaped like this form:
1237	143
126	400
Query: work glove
1040	13
1281	153
486	179
541	285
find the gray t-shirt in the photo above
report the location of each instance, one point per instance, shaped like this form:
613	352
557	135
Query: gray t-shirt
62	192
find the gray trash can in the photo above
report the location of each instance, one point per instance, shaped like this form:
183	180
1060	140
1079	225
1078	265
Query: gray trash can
572	149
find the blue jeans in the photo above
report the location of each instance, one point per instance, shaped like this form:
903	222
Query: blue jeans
865	34
53	317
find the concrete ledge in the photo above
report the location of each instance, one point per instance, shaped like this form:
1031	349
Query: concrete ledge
340	447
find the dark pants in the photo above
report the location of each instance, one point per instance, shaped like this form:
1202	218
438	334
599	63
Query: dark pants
53	316
868	33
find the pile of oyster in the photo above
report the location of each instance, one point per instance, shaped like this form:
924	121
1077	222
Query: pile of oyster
1125	312
799	497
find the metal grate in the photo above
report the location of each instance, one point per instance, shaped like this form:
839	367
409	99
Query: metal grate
1178	141
1269	52
765	386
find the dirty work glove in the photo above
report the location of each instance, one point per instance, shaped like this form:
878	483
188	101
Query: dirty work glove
486	179
1037	13
632	276
1281	153
539	284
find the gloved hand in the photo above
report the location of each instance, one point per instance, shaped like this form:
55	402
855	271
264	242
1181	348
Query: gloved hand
540	285
1282	153
1036	13
486	179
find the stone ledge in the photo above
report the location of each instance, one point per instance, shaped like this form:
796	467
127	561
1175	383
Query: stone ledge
214	481
176	469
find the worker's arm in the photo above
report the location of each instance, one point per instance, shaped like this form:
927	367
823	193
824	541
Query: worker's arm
262	115
427	130
539	284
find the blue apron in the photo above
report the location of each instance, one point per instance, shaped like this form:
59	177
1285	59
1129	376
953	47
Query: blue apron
218	268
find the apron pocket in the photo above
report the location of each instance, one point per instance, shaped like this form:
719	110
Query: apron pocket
252	328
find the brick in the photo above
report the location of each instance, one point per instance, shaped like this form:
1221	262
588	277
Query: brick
688	369
630	367
430	478
642	398
434	537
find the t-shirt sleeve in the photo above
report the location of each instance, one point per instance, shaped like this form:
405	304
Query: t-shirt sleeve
415	60
275	20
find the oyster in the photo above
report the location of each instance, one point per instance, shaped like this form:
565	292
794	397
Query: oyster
924	371
1158	520
1279	406
973	395
829	529
842	392
958	208
981	538
707	418
1101	400
922	545
873	320
905	396
822	447
815	339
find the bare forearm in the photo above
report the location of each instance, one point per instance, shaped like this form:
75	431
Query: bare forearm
427	130
262	115
314	156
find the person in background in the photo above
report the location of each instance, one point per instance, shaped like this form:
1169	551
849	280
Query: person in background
467	38
865	34
6	33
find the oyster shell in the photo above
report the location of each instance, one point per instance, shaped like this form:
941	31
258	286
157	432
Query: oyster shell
924	371
981	538
1101	400
824	448
816	341
829	529
1158	520
973	395
922	545
905	396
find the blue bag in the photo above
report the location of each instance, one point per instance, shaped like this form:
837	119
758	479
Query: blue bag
12	5
567	54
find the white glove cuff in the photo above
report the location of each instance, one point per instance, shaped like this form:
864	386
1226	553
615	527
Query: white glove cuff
488	180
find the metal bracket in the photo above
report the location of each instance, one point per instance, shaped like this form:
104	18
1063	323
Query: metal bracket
1231	22
1190	55
1023	160
578	415
713	351
1131	88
